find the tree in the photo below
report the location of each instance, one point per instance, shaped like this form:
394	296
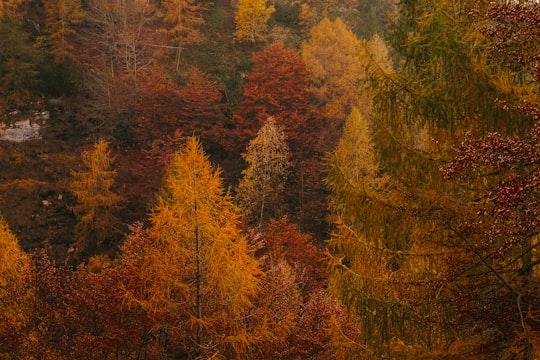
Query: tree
251	19
184	19
263	181
16	295
61	18
198	276
18	68
121	50
332	60
398	253
277	87
96	200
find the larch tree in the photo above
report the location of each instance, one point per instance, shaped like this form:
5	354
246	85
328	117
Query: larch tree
183	19
61	19
397	256
263	181
332	60
96	200
16	295
251	19
18	68
198	276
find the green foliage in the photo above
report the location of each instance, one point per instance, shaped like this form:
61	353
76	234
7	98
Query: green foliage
287	13
59	79
18	65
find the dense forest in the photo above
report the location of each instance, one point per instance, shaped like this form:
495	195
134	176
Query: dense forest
287	179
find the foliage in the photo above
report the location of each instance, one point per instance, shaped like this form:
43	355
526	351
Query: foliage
251	18
198	278
263	181
96	200
18	68
276	87
16	294
183	19
332	60
61	19
401	256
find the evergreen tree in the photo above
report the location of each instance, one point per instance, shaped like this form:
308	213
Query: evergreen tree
332	60
396	257
184	20
16	295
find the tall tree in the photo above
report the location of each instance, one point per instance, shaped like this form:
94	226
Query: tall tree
96	200
263	181
198	275
184	19
396	257
16	295
61	19
277	87
332	60
18	68
251	19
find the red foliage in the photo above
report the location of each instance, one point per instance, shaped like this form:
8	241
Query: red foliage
282	241
277	87
79	314
165	106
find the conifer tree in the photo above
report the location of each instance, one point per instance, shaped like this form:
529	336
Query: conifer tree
332	60
199	277
264	179
397	260
96	200
61	19
251	19
15	294
184	19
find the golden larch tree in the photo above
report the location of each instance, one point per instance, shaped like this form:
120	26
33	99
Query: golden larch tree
200	278
332	60
183	19
61	18
251	20
96	200
16	294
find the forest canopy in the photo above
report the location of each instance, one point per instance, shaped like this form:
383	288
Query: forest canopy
295	179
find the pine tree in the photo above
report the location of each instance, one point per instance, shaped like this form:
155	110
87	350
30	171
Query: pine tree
264	179
198	275
251	19
96	200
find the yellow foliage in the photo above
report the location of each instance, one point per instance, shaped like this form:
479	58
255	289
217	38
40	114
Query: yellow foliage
197	268
332	59
251	19
93	189
15	290
61	18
